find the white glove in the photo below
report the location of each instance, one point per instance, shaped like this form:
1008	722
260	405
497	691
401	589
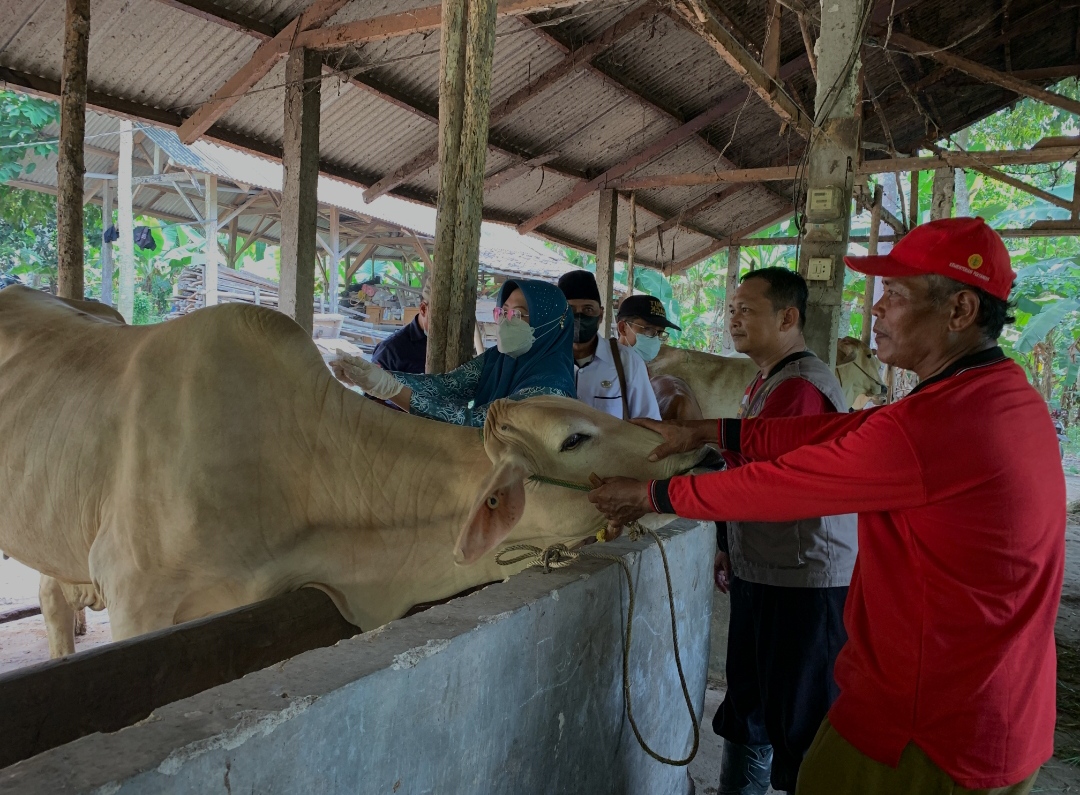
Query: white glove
372	379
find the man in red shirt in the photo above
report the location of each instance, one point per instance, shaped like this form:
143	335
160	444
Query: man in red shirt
787	580
947	681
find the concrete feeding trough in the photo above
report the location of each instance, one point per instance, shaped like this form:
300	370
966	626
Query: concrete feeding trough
516	688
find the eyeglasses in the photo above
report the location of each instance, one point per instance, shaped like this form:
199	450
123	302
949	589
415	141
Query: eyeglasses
501	312
650	332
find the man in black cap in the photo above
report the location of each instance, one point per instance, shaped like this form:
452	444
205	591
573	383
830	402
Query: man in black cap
607	375
643	325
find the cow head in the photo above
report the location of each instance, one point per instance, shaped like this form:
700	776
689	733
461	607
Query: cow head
859	371
556	438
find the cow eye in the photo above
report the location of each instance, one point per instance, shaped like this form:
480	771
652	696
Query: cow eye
573	441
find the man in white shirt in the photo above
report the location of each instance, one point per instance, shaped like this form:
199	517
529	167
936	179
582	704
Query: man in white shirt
622	388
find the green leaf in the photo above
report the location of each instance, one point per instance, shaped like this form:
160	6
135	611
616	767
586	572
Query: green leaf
1043	323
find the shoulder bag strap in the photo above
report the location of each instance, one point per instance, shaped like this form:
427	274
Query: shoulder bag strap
617	356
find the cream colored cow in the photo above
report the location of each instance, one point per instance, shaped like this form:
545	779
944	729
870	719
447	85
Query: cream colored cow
718	382
173	471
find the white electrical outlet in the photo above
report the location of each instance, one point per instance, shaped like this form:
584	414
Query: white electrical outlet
819	269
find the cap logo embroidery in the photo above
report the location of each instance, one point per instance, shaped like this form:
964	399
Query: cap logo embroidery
975	261
658	308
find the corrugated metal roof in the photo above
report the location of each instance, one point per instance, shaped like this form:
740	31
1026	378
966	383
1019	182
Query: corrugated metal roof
168	61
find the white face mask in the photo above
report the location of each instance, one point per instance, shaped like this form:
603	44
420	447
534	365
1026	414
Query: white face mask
514	336
647	347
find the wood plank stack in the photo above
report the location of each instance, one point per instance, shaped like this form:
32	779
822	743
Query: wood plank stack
235	286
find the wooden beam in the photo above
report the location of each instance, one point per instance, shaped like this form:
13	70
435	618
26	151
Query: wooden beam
700	18
946	159
808	42
216	13
106	248
419	20
654	150
257	67
510	173
870	281
770	51
70	167
685	215
732	239
299	199
984	73
574	60
113	686
731	284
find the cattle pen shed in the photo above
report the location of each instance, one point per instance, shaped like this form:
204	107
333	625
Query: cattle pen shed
683	127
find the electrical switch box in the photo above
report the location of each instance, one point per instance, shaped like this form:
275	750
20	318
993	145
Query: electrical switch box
824	204
820	269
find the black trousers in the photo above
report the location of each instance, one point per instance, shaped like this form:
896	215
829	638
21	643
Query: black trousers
782	644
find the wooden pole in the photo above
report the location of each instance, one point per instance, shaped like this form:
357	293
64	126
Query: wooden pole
106	248
631	245
334	280
125	222
451	114
467	47
913	200
727	345
230	251
70	168
299	193
871	281
606	229
210	230
479	55
941	203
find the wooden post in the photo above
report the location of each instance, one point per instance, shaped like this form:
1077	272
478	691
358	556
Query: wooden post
230	249
941	203
913	200
69	168
299	193
106	248
727	345
606	228
631	245
467	46
871	281
210	230
125	222
333	279
1076	184
833	161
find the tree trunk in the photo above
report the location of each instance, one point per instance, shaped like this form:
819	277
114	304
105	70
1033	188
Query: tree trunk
70	169
942	202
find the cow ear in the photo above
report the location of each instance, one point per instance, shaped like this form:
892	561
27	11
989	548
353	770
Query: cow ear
499	506
846	350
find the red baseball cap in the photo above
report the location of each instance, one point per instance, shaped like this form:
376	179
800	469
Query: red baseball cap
963	249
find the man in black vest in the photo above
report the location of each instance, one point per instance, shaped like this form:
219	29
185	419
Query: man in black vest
787	581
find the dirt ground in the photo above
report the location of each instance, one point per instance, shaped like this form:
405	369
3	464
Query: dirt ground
23	643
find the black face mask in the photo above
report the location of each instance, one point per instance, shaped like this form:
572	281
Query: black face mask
585	327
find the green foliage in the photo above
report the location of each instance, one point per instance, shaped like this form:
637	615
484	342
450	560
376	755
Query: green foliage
22	119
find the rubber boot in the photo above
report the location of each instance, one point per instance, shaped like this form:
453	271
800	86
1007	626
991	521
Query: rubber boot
745	769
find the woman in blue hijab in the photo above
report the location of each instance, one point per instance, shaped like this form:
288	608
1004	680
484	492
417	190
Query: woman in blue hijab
534	356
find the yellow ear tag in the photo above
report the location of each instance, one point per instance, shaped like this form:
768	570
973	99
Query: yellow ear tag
601	536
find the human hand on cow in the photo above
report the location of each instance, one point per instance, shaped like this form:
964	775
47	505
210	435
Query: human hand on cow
369	377
680	436
622	501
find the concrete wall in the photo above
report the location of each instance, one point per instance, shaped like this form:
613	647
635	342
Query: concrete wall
514	689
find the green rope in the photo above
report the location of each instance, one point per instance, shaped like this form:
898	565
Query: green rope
559	556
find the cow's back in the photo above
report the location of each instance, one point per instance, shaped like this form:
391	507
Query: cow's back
718	382
139	430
